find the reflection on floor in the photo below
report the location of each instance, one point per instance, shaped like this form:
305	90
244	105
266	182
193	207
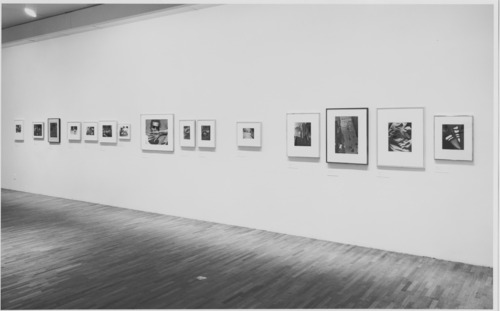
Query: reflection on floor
65	254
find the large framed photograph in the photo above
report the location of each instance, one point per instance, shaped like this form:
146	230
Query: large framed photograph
206	133
249	134
90	131
157	132
38	130
187	128
400	137
124	130
347	135
54	125
19	130
303	135
74	131
453	138
107	132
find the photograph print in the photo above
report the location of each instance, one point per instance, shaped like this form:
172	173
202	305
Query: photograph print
19	130
74	131
206	133
108	132
303	135
124	130
38	130
187	133
453	138
157	132
347	135
249	134
89	131
54	125
400	137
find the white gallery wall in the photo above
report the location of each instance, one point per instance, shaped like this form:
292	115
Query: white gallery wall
256	63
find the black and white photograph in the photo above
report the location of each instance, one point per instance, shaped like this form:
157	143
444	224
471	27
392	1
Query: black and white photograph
347	135
205	133
54	125
303	134
19	130
108	132
38	130
400	137
74	131
157	132
249	134
286	155
187	130
453	137
89	130
124	131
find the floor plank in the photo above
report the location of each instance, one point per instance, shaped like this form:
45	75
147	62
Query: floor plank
64	254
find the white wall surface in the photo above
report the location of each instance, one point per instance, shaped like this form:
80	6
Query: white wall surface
257	63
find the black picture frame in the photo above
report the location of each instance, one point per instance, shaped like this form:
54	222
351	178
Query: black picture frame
347	135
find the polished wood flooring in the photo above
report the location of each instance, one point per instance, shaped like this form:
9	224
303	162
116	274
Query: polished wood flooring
64	254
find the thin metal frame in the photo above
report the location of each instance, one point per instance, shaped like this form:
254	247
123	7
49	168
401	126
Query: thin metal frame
423	137
472	135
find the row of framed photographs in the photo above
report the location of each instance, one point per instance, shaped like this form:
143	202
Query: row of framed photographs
156	132
400	136
103	131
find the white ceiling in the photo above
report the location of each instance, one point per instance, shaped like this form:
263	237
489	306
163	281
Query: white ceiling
13	13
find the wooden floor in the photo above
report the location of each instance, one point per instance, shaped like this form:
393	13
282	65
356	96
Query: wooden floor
64	254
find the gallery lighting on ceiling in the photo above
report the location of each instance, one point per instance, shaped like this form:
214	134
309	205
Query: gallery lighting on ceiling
30	12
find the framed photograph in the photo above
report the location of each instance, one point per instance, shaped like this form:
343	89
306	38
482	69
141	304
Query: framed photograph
18	129
303	135
249	134
74	131
54	125
453	138
188	133
107	132
206	133
347	135
400	137
157	132
124	130
38	130
90	131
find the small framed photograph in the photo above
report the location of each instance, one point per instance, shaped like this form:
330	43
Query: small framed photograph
124	130
400	137
54	125
303	135
38	130
206	133
157	132
107	131
74	131
453	138
249	134
347	135
90	131
19	130
187	128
